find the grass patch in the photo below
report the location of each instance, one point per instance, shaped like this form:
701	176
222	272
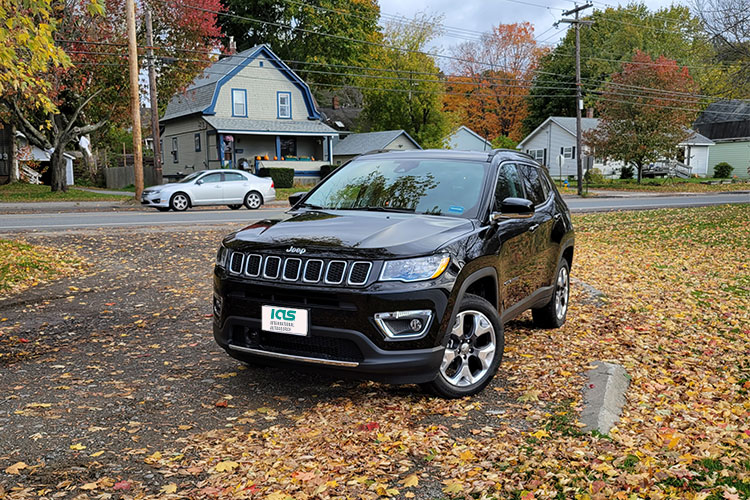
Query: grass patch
283	193
663	185
23	265
21	192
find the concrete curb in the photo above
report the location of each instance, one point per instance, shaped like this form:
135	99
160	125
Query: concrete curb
594	296
604	396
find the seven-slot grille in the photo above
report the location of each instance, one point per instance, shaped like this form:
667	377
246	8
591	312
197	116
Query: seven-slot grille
272	267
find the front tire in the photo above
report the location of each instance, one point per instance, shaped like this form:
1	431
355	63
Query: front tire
253	200
179	202
474	350
163	209
553	314
235	207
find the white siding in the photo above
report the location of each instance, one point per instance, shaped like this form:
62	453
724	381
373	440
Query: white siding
463	140
697	158
401	143
262	85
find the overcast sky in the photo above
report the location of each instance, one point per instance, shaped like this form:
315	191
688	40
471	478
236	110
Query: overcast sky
482	15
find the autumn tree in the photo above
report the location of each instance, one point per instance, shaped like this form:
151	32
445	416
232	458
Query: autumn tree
638	127
90	91
490	80
309	35
408	93
612	39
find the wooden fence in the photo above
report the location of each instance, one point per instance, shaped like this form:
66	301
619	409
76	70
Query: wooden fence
119	177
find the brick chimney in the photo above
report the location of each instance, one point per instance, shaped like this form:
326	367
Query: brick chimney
335	102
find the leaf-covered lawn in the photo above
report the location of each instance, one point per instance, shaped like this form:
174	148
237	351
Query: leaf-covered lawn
676	316
671	185
21	192
23	265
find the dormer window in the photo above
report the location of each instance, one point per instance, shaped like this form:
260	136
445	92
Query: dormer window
239	102
284	105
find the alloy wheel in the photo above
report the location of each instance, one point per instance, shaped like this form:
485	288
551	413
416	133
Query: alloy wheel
471	348
562	290
253	201
180	202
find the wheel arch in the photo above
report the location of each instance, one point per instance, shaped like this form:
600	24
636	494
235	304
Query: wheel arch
484	279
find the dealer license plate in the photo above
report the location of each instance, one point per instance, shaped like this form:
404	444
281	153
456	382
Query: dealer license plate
284	320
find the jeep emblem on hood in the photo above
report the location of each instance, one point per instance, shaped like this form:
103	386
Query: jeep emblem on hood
296	250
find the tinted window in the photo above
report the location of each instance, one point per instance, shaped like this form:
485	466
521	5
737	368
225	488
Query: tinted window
212	178
532	181
508	183
233	177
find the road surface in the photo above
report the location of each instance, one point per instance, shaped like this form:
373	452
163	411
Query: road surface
91	220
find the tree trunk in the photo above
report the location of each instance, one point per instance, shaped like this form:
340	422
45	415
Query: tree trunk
639	167
15	174
57	170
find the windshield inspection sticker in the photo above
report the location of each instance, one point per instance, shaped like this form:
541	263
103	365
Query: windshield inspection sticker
456	210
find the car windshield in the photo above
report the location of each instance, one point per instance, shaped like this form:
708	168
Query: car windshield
190	178
423	186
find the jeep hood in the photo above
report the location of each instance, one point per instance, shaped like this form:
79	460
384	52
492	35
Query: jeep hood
348	233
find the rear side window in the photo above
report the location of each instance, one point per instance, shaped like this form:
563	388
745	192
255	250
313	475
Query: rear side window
509	184
532	181
234	177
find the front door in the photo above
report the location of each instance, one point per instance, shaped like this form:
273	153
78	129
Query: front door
545	252
208	189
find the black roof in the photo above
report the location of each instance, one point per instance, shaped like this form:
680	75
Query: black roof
727	119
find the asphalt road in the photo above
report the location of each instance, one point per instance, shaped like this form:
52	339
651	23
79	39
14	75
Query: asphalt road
82	220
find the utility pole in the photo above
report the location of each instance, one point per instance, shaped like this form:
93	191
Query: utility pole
576	22
135	99
152	93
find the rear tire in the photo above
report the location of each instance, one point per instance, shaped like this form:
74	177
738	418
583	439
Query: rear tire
253	200
163	209
553	314
474	350
179	202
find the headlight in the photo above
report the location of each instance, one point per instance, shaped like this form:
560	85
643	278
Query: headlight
420	269
221	256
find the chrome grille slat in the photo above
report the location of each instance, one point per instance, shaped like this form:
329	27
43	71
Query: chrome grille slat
359	272
275	264
253	265
296	269
335	272
236	261
311	275
292	268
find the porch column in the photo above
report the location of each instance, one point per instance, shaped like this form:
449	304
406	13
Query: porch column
330	150
221	149
278	147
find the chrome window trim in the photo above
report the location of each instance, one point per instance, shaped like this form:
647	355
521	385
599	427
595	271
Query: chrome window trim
351	268
265	266
320	274
242	263
343	274
286	262
260	266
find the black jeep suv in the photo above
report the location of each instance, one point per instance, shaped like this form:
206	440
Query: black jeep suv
400	267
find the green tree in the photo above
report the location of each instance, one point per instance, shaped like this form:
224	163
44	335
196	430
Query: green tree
639	129
615	35
410	96
344	20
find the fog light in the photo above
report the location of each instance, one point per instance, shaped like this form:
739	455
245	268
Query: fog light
218	303
404	325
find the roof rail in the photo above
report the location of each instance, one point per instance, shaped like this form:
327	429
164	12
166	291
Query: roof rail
494	152
375	151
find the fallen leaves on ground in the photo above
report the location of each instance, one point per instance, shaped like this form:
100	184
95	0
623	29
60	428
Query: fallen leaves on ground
23	265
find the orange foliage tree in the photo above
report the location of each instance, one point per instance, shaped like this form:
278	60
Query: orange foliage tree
491	78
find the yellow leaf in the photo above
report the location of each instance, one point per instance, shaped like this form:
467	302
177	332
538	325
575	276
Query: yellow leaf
153	458
227	375
540	434
38	405
77	446
98	454
169	488
391	492
277	495
410	481
453	488
467	455
673	442
89	486
15	468
409	494
227	465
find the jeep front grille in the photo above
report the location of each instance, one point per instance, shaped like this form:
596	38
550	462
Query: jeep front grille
296	269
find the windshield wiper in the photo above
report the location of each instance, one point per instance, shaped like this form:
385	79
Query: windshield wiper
383	209
308	205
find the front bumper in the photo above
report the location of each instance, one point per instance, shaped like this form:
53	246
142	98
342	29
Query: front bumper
342	339
155	199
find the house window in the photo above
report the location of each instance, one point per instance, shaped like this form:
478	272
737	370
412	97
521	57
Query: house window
288	147
239	102
284	105
569	153
174	149
197	142
537	154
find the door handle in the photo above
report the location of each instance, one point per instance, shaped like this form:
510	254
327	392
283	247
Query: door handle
533	228
557	217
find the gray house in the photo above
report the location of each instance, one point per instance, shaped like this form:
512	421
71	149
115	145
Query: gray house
242	110
356	144
465	139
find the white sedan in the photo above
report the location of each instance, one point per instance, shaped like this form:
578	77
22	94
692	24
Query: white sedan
233	188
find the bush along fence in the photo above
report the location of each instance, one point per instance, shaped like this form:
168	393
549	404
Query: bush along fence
282	177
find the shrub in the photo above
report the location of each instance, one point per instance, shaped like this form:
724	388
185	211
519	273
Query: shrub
627	172
282	177
723	170
326	169
594	176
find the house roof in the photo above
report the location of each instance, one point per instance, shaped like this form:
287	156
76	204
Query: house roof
733	110
356	144
200	96
271	127
347	116
697	139
567	123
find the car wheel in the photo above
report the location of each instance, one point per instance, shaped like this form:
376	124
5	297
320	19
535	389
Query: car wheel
235	207
473	352
253	200
179	202
554	313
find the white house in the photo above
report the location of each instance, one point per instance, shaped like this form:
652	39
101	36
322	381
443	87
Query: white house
465	139
553	143
354	145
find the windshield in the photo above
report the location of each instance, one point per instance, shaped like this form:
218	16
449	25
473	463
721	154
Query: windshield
190	177
424	186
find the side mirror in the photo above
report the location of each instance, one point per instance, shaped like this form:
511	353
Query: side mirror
514	208
199	182
296	198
